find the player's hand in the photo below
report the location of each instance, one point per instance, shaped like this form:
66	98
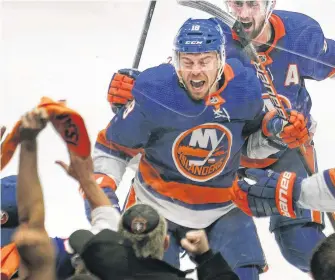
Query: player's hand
32	123
292	132
80	169
195	242
36	251
269	194
119	91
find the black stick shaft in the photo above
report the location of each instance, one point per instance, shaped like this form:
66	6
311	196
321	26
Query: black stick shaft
144	34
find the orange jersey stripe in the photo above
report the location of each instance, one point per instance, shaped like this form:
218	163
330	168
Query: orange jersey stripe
332	175
131	200
309	157
103	181
257	163
102	139
316	217
332	178
187	193
331	74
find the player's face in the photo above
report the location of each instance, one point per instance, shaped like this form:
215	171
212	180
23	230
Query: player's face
199	72
252	14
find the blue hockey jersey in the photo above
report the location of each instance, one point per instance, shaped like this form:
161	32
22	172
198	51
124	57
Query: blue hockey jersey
299	51
191	150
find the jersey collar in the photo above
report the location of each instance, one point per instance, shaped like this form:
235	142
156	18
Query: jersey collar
215	99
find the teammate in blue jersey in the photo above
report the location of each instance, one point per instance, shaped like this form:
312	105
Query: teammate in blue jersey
190	120
293	48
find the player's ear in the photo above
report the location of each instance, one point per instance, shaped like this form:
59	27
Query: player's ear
166	242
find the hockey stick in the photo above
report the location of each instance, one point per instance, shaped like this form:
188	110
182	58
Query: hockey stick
144	34
140	46
262	73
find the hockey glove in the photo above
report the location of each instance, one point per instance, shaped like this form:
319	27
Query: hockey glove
272	194
292	132
119	91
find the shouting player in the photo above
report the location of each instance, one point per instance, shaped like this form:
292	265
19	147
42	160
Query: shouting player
280	37
190	121
293	48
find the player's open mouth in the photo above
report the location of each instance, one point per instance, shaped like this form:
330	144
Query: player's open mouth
197	83
247	25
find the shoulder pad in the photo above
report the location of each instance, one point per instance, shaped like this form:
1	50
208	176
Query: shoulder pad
294	21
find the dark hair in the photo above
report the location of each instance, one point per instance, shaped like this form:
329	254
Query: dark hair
323	260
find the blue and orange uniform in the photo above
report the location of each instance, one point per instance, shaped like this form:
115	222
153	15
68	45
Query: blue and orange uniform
298	51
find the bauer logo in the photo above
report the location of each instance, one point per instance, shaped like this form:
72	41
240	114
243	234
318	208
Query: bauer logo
201	153
283	194
268	106
193	42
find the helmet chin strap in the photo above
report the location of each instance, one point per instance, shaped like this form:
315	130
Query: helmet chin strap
219	74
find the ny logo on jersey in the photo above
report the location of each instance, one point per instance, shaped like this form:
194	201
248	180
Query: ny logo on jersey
201	153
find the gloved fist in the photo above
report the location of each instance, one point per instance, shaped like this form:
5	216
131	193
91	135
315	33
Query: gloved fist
119	91
272	194
292	132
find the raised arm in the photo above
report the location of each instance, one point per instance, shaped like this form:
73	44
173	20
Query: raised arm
32	241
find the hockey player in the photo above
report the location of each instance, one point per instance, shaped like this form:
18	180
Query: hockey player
293	48
280	38
190	121
286	194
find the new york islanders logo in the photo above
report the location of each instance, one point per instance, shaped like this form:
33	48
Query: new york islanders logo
202	152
